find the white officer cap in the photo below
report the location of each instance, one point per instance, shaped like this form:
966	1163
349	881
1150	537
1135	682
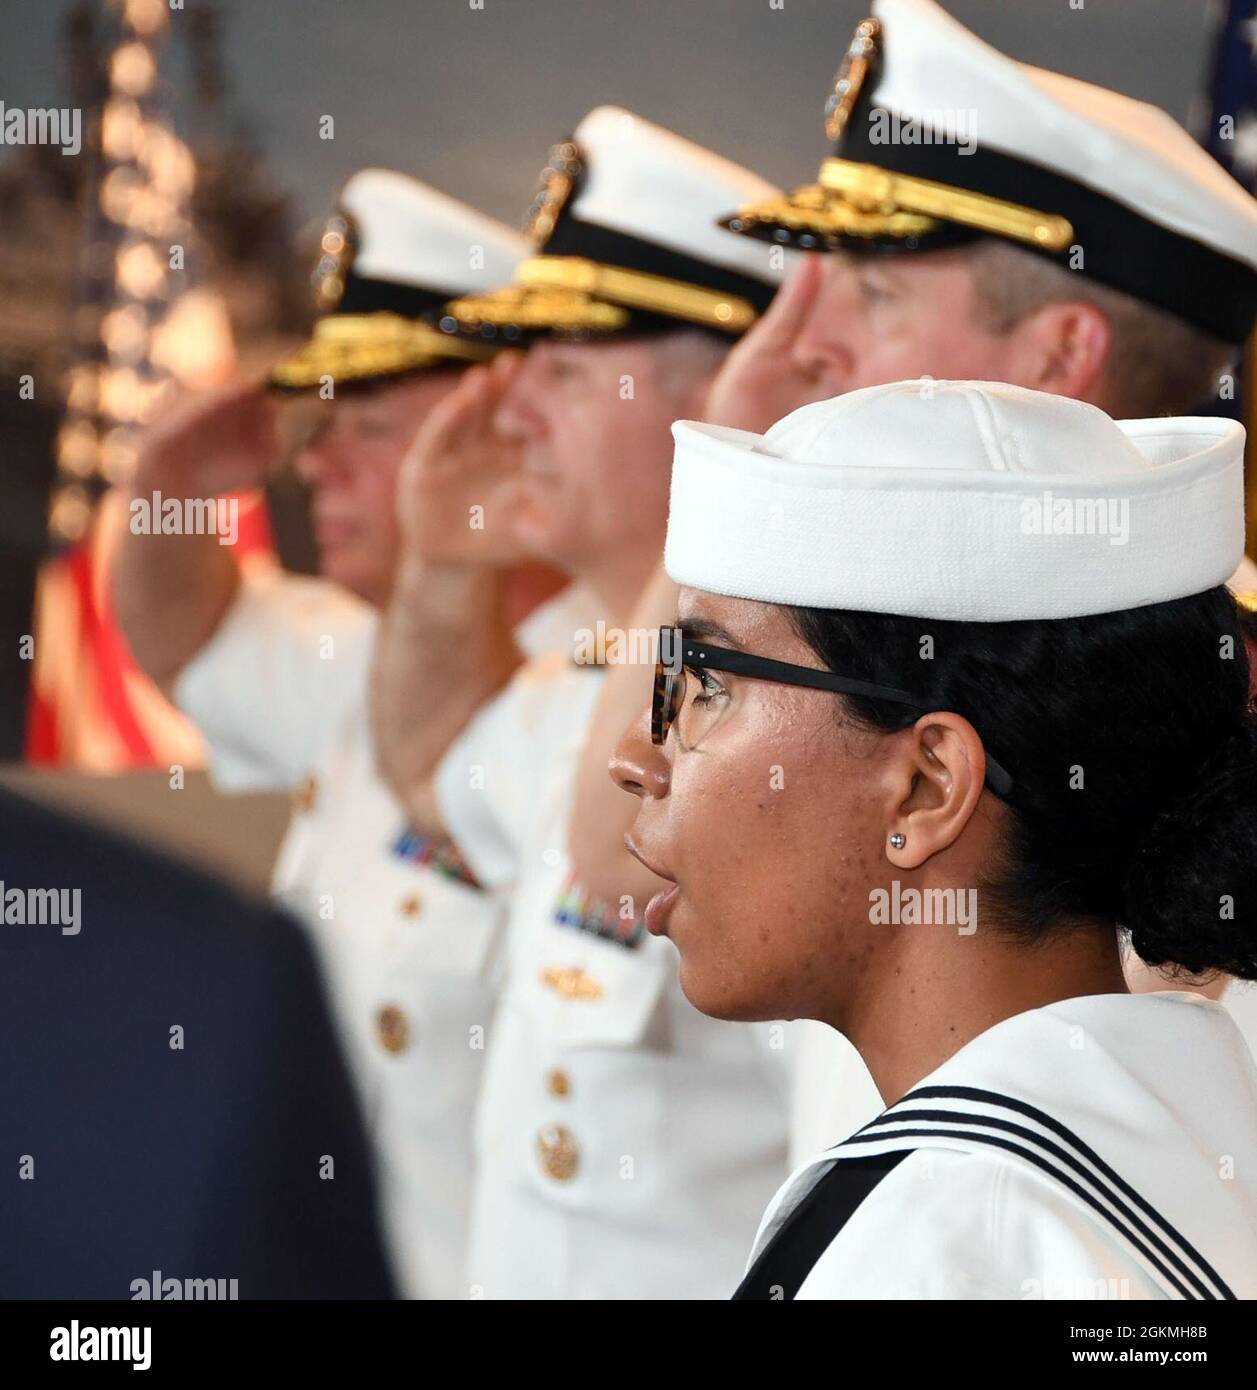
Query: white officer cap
939	139
624	224
392	254
960	500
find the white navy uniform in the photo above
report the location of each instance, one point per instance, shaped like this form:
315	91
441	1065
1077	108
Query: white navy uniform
280	694
624	1141
1090	1149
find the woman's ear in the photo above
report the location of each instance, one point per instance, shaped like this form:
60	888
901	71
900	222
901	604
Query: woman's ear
943	770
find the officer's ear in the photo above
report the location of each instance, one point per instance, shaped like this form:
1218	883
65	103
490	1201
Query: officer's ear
692	359
1063	348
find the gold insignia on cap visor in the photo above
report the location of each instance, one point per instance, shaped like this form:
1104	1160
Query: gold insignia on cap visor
357	347
861	200
570	292
878	191
534	309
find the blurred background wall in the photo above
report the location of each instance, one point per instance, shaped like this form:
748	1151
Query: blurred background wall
470	99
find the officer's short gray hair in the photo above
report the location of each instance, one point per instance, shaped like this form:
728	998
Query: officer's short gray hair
1158	363
685	360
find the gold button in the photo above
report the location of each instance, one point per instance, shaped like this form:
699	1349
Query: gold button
306	795
392	1029
571	982
411	905
558	1083
557	1152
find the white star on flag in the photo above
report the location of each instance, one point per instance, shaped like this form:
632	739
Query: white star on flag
1244	148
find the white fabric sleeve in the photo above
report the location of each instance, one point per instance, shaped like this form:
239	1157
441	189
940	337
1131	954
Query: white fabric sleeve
270	686
488	784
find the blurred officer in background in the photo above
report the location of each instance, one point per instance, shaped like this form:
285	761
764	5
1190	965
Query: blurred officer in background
623	1140
273	668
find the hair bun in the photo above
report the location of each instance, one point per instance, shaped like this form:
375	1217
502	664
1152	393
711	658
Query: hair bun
1190	898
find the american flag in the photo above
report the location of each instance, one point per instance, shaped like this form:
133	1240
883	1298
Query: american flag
1226	124
1231	133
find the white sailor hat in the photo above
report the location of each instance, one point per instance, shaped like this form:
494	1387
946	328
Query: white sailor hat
624	225
393	253
939	138
958	500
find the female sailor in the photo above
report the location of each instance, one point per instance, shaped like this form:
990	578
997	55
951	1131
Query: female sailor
956	700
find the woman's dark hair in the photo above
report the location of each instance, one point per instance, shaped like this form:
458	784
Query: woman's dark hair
1133	753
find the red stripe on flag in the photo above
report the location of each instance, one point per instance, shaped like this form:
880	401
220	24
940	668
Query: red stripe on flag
102	644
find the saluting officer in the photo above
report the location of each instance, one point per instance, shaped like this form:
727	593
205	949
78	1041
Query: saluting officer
623	1140
273	668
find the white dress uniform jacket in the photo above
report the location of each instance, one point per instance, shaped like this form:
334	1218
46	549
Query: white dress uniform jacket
280	693
624	1142
1103	1147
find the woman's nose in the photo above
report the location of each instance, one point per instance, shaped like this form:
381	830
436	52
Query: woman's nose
638	765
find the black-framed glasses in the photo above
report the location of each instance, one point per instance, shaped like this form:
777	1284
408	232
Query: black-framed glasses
679	653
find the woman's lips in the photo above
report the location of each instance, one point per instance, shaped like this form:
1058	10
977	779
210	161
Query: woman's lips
659	908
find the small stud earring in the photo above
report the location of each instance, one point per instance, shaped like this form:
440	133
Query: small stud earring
897	841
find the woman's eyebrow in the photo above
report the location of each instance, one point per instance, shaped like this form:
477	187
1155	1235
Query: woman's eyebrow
705	627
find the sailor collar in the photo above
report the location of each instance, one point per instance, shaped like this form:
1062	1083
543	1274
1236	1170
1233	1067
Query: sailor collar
1121	1102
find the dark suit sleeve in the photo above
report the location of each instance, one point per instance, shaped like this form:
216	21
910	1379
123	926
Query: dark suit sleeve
297	1202
173	1104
